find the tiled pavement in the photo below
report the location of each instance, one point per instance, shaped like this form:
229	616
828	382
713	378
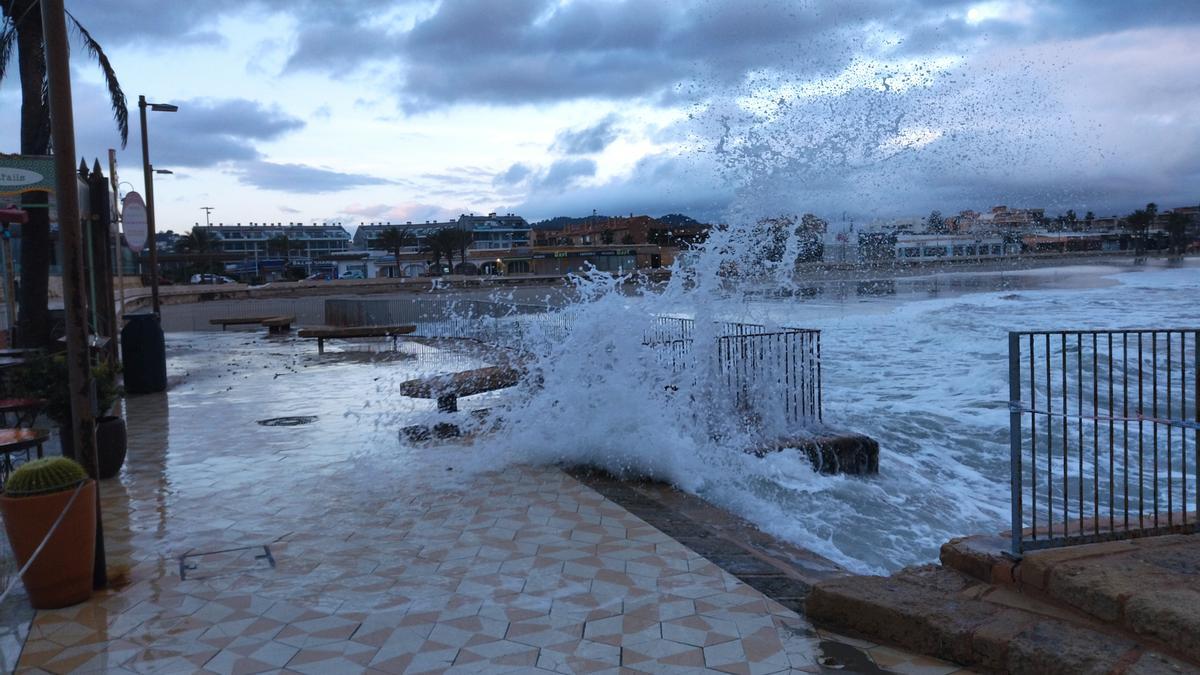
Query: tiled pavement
389	563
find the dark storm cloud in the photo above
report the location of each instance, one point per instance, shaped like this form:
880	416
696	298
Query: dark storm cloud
564	172
300	178
513	175
205	133
588	140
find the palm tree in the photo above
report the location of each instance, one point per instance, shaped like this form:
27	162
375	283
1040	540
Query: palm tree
392	240
460	241
200	243
1138	224
1177	229
443	243
282	245
21	26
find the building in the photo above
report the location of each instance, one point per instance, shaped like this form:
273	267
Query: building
488	233
304	242
930	247
631	231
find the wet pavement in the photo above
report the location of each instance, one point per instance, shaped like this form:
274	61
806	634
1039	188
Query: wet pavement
330	546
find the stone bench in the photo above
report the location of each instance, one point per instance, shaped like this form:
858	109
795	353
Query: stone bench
275	323
334	333
447	388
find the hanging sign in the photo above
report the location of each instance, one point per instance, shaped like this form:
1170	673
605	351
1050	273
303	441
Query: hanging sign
133	215
25	173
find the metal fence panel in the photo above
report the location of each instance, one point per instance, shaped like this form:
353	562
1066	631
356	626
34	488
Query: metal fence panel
1104	435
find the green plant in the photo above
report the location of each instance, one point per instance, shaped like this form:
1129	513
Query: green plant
44	476
46	377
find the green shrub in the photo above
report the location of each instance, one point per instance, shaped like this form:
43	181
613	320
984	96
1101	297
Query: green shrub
46	377
44	476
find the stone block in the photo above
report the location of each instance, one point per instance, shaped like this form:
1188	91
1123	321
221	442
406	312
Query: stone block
1171	615
1056	648
851	454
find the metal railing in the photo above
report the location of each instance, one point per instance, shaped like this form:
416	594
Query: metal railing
1104	435
761	370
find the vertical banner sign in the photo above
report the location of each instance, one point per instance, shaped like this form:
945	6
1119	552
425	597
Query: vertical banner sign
133	214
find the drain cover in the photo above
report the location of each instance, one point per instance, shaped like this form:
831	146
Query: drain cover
288	421
208	564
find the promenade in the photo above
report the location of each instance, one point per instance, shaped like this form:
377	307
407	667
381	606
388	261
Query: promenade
236	547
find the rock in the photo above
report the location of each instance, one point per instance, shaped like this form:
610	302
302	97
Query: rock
852	454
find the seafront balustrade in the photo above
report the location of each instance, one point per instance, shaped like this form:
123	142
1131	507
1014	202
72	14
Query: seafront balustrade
1104	431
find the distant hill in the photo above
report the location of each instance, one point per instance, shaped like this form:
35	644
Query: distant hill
679	220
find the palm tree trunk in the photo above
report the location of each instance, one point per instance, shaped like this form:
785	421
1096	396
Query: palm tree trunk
33	319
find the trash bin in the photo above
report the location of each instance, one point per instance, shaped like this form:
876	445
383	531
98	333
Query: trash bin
144	353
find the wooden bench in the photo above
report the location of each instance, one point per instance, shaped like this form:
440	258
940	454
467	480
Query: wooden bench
447	388
332	333
274	323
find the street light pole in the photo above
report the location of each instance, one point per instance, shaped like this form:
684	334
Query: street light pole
148	172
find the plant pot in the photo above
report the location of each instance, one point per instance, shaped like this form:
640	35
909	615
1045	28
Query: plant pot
62	574
111	443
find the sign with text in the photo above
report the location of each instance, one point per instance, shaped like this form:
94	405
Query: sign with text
133	215
26	173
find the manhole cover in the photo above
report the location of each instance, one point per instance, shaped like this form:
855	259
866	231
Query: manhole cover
208	564
288	421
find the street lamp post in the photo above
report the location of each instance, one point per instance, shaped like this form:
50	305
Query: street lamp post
148	172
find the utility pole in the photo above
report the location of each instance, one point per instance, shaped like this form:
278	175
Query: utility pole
207	210
79	372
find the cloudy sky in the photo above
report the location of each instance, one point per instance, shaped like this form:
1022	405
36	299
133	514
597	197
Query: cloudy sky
371	110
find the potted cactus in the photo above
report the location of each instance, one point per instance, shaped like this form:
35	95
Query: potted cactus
46	378
34	497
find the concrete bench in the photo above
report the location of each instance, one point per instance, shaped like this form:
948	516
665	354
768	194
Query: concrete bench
447	388
331	333
275	323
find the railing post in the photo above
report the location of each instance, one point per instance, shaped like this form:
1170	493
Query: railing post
1014	436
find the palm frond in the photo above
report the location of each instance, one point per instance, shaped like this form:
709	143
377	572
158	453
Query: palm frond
8	38
119	105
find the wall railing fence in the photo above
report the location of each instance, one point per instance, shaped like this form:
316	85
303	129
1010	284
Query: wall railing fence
1104	435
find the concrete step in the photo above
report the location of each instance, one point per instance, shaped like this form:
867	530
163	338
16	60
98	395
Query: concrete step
1148	588
941	612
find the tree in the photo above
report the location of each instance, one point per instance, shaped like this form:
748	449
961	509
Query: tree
935	222
21	26
280	244
1088	218
442	243
200	240
1177	229
392	240
1138	224
460	240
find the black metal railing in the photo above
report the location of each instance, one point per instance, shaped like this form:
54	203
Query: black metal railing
760	370
1104	435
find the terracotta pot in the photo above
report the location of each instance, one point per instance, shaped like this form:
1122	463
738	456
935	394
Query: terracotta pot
112	445
62	574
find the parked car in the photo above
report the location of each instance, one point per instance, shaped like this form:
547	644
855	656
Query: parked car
352	274
211	279
319	276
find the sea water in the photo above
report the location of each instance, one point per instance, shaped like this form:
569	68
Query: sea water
924	374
